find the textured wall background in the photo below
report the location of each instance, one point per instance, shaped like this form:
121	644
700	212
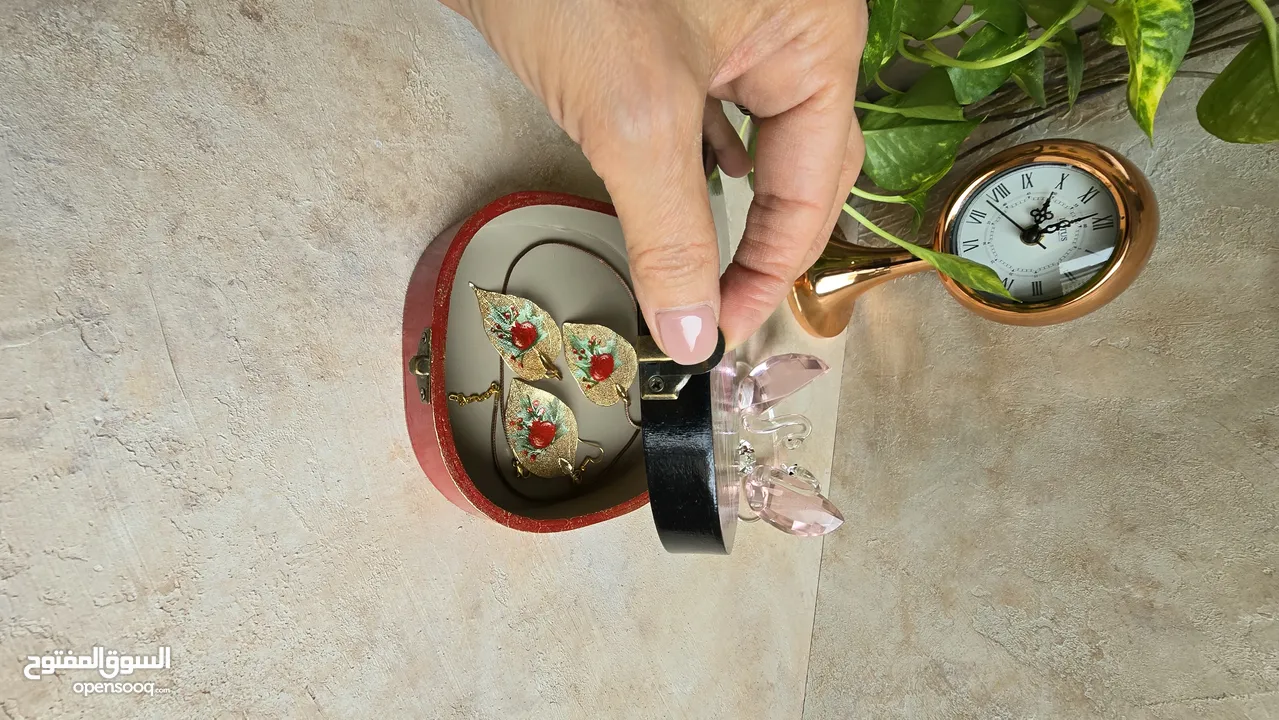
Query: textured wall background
1076	521
208	216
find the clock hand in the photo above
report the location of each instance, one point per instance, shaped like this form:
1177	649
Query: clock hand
1001	212
1043	213
1064	224
1030	235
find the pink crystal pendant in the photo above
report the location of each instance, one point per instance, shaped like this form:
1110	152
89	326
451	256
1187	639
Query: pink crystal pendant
780	492
776	379
793	507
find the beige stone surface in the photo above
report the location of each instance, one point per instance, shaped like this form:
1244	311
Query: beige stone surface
1076	521
208	215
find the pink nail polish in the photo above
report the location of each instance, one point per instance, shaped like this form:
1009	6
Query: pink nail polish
688	334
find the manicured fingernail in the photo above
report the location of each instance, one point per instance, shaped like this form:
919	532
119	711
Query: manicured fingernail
688	334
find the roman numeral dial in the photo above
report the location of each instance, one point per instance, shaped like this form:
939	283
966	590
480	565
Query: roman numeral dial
1047	229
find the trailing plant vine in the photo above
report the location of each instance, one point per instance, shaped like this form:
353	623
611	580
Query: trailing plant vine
1023	61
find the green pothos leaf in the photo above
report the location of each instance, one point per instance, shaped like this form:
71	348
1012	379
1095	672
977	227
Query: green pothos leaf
953	113
921	19
1028	73
904	153
1271	29
965	272
883	28
1068	43
880	120
1242	104
1007	15
1157	34
931	97
1110	32
1050	12
918	199
932	88
989	43
901	158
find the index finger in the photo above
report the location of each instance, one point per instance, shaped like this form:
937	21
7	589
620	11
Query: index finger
800	154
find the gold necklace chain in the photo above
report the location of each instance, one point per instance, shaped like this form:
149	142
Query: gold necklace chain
463	399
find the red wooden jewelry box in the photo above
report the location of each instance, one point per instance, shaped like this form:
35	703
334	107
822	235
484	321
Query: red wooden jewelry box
444	352
567	255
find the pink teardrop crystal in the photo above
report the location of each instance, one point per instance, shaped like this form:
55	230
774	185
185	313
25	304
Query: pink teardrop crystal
777	378
788	508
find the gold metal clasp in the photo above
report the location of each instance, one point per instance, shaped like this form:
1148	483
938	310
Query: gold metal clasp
657	382
420	366
660	377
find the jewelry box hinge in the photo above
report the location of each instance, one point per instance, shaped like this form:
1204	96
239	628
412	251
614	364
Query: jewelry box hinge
660	377
420	366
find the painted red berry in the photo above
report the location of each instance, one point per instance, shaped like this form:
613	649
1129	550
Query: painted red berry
601	367
523	335
541	434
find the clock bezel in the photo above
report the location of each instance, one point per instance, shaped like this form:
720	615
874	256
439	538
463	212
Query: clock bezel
1137	228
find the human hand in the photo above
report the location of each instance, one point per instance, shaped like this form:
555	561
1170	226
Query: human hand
638	85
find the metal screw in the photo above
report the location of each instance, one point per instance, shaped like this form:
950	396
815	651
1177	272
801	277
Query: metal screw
656	384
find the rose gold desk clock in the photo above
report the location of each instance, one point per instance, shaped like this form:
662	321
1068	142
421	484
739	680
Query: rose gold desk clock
1067	224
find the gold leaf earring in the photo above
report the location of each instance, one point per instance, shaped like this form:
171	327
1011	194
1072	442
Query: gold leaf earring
522	333
542	433
603	364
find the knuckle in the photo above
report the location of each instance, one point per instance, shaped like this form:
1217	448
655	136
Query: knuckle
765	290
772	205
774	252
636	112
774	229
755	294
770	269
673	262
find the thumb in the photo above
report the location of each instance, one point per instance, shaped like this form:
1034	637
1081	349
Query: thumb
658	185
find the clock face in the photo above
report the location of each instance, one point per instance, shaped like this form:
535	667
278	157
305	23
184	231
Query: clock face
1046	229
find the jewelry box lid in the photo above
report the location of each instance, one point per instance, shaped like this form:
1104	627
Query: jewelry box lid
690	443
690	434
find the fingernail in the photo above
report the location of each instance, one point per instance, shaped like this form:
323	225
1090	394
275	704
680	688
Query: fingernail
688	334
